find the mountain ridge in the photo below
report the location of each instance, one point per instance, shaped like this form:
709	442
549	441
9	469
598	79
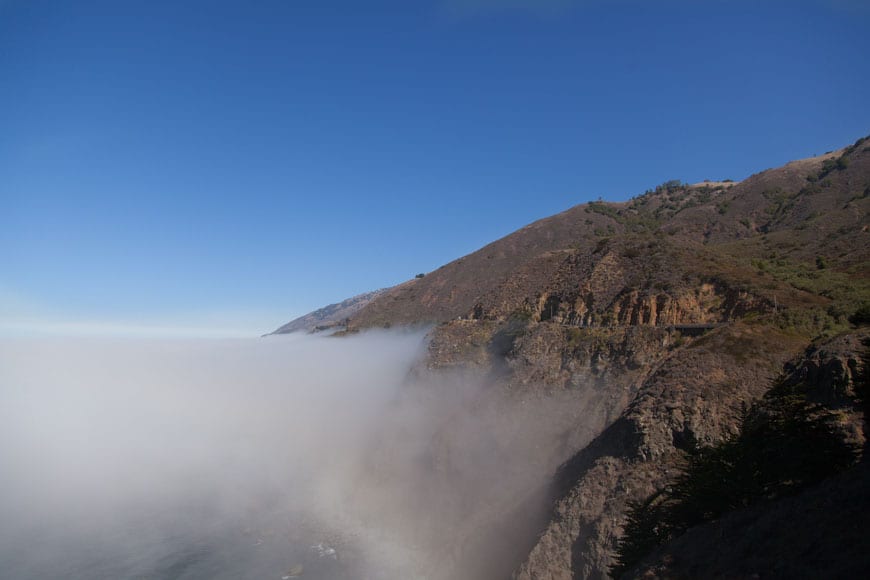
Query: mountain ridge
654	322
523	270
330	316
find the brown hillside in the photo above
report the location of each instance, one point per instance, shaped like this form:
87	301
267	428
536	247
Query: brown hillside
757	245
611	340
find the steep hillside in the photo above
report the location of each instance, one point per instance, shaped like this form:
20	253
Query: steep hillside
779	507
786	237
628	335
332	316
825	527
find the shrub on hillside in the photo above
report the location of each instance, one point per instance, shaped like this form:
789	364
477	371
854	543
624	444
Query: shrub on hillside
861	317
785	443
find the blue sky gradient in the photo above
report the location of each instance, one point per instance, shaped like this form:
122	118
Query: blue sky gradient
221	167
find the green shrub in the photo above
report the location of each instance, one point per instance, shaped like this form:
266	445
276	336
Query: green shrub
630	252
785	443
573	336
861	316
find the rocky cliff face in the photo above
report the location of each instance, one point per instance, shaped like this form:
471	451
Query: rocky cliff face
819	532
629	332
694	395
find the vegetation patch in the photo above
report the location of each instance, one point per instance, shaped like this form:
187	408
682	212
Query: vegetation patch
785	443
633	220
845	292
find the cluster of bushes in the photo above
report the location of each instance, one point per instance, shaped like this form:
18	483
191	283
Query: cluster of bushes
845	291
781	202
785	443
633	221
604	209
839	163
668	186
861	316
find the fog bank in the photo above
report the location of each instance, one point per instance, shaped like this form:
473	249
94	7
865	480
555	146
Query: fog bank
256	458
103	438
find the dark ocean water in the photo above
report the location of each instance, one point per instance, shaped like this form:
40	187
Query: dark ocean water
178	545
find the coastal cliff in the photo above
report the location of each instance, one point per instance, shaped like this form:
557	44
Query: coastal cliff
654	324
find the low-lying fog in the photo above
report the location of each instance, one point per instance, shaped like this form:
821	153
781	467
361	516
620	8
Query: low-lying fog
288	456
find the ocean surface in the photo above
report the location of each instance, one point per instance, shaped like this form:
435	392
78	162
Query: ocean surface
186	544
182	459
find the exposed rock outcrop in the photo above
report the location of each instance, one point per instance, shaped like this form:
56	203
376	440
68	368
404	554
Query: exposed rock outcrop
820	532
627	332
694	395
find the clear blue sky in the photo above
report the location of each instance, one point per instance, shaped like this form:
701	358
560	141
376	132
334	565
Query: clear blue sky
226	166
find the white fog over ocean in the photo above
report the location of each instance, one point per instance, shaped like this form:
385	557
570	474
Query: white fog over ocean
277	457
146	458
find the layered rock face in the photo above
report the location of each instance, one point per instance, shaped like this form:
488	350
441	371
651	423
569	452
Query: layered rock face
694	395
819	532
573	425
616	336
